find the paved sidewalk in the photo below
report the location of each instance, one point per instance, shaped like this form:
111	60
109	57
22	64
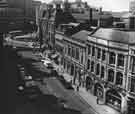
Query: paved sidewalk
91	100
88	97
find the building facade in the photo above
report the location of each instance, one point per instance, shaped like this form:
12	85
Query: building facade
74	61
131	80
107	67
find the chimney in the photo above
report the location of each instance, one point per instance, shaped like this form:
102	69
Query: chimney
99	19
90	16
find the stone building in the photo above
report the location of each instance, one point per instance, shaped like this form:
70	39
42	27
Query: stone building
108	61
74	58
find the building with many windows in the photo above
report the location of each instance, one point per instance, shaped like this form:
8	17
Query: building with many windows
74	61
131	80
108	61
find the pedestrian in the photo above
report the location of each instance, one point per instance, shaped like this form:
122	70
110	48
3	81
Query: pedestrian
77	88
97	100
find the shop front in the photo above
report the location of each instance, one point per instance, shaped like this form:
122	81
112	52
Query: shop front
99	90
131	106
89	83
113	98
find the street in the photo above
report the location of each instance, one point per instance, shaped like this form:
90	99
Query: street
56	98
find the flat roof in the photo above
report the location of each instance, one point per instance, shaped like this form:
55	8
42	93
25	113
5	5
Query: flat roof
127	37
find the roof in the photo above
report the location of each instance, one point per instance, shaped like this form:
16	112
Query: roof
81	36
127	37
95	15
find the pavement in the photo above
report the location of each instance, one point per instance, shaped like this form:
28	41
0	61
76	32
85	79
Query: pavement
87	96
52	86
91	99
82	100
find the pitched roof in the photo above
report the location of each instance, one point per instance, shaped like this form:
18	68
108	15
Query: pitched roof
81	36
127	37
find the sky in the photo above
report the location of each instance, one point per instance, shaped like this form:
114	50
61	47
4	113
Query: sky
109	5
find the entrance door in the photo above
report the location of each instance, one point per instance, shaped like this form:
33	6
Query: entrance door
89	83
98	90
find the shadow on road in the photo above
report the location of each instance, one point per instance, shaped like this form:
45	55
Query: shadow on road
51	104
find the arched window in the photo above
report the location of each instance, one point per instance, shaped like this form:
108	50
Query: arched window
112	57
119	78
98	69
102	71
88	64
92	66
110	75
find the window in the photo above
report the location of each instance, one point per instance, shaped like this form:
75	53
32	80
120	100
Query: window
88	64
120	60
98	69
132	87
92	66
77	53
69	50
110	75
73	52
103	55
82	58
112	57
102	71
89	49
93	51
119	78
132	65
98	53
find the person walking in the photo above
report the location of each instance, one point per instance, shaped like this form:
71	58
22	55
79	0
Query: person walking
97	100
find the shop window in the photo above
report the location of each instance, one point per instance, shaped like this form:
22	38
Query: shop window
98	53
89	49
92	66
102	71
132	87
88	64
110	75
113	98
93	51
103	55
98	69
77	53
132	65
119	78
112	57
120	60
